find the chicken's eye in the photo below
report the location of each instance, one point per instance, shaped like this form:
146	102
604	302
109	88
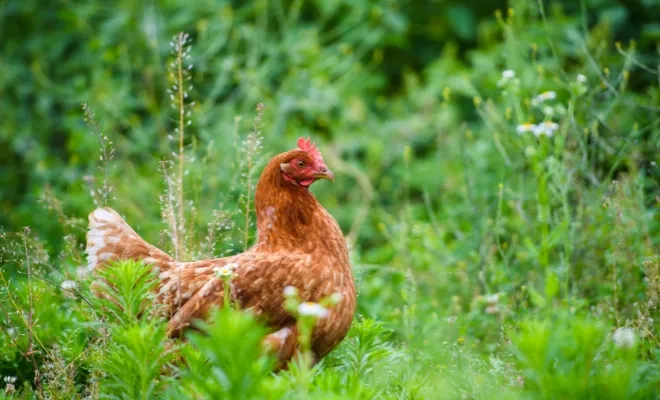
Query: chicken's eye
301	163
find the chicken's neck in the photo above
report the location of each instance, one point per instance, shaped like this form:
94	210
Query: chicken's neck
289	218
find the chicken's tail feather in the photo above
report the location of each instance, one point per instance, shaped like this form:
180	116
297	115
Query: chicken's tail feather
110	238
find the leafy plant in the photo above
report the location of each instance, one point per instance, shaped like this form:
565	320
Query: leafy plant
125	291
225	359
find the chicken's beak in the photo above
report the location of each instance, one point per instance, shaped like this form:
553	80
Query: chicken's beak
324	173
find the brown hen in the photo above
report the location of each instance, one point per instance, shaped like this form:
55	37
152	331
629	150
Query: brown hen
299	244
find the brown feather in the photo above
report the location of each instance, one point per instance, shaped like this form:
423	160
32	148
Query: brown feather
299	244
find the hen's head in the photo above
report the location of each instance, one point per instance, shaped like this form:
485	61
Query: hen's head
304	165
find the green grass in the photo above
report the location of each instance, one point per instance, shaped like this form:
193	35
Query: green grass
492	260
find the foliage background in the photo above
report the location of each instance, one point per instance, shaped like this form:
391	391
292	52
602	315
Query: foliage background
490	259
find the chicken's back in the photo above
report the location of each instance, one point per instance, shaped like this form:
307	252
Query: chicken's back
257	284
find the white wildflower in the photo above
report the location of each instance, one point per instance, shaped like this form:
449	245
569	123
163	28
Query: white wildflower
492	298
309	309
526	127
336	298
624	337
225	271
549	95
581	78
9	384
68	288
290	291
547	128
452	320
508	78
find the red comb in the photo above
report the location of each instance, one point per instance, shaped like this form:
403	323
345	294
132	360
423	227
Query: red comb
309	147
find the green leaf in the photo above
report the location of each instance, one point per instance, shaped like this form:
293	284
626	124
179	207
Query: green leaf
537	299
462	22
551	286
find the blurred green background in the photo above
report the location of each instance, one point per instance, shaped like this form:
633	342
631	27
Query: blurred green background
495	259
344	72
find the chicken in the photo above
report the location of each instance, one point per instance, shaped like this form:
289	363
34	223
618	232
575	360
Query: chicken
299	244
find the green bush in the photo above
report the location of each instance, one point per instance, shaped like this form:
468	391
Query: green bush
570	356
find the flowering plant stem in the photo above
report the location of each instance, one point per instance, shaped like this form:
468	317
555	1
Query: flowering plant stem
179	62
